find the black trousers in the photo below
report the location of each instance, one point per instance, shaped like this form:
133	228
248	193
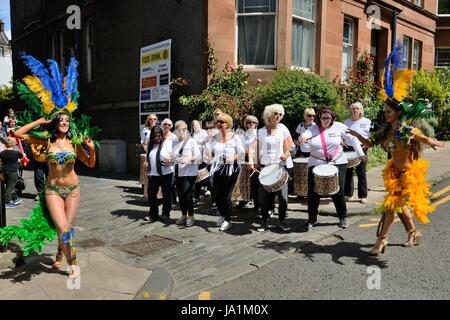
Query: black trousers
362	180
165	182
254	187
40	172
10	190
185	187
290	182
267	202
338	198
223	185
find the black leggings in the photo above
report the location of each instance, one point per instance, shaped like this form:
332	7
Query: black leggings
185	186
165	182
223	185
338	198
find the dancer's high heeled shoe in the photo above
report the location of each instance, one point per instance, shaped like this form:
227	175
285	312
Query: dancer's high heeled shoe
379	247
414	238
73	271
58	259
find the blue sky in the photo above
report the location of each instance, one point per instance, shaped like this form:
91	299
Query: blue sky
4	15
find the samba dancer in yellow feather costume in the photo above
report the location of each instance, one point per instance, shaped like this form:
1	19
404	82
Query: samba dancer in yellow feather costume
405	173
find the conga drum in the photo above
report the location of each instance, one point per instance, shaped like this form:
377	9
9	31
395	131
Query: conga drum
273	177
143	175
242	188
353	159
301	176
326	180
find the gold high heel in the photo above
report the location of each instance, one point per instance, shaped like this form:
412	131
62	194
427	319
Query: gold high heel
58	259
379	247
414	238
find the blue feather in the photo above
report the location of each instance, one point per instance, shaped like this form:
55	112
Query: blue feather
392	63
71	78
39	70
58	94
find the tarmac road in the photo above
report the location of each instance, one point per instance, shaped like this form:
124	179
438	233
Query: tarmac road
339	267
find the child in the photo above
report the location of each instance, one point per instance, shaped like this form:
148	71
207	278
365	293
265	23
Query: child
9	158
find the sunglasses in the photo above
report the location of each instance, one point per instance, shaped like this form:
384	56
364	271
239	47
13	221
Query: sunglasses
277	114
167	124
220	122
311	115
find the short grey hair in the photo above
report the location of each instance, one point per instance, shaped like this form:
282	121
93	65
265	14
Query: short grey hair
167	120
270	109
359	105
179	123
251	119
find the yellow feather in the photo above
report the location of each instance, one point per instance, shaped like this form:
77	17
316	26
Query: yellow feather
402	82
36	86
71	106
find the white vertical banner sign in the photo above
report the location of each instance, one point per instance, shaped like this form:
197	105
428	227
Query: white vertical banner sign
154	93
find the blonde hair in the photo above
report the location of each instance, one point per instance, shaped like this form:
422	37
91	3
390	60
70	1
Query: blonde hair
179	123
193	125
10	142
309	111
226	118
147	122
270	110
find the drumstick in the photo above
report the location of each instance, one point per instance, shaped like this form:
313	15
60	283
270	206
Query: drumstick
255	170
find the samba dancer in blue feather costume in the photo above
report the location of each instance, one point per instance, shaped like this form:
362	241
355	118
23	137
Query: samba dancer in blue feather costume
60	140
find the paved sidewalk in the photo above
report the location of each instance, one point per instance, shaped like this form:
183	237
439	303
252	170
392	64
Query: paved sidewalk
196	259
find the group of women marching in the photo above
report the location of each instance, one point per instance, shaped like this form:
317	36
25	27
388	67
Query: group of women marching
254	165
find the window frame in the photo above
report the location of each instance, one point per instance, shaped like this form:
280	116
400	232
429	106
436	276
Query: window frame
408	58
417	61
435	57
313	47
420	5
2	52
352	44
441	14
275	38
90	44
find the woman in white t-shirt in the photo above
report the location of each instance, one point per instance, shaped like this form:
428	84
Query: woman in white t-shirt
273	145
308	117
227	153
334	133
160	164
360	125
186	155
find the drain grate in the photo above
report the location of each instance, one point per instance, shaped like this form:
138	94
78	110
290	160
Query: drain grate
90	243
148	245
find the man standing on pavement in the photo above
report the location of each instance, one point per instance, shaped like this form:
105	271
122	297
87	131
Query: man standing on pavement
10	158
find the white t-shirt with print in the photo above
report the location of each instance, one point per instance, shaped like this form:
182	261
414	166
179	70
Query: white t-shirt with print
190	149
300	130
166	152
334	136
361	126
271	146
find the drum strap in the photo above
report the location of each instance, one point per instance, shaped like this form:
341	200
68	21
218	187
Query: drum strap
324	147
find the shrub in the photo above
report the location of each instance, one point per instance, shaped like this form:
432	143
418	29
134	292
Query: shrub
435	86
226	91
296	91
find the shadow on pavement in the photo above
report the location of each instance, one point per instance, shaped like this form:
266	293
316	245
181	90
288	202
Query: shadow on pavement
34	265
342	249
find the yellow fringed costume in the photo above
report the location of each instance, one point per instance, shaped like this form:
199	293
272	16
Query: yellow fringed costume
408	188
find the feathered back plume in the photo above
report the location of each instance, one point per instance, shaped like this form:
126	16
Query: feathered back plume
71	83
395	80
39	70
57	94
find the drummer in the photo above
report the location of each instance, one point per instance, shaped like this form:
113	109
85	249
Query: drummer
325	141
248	138
308	117
360	125
186	155
272	145
228	153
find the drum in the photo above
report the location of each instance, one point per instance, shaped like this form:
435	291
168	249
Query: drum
202	175
301	176
143	175
273	177
242	188
326	179
353	159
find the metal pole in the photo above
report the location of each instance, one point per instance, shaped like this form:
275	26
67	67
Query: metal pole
394	28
